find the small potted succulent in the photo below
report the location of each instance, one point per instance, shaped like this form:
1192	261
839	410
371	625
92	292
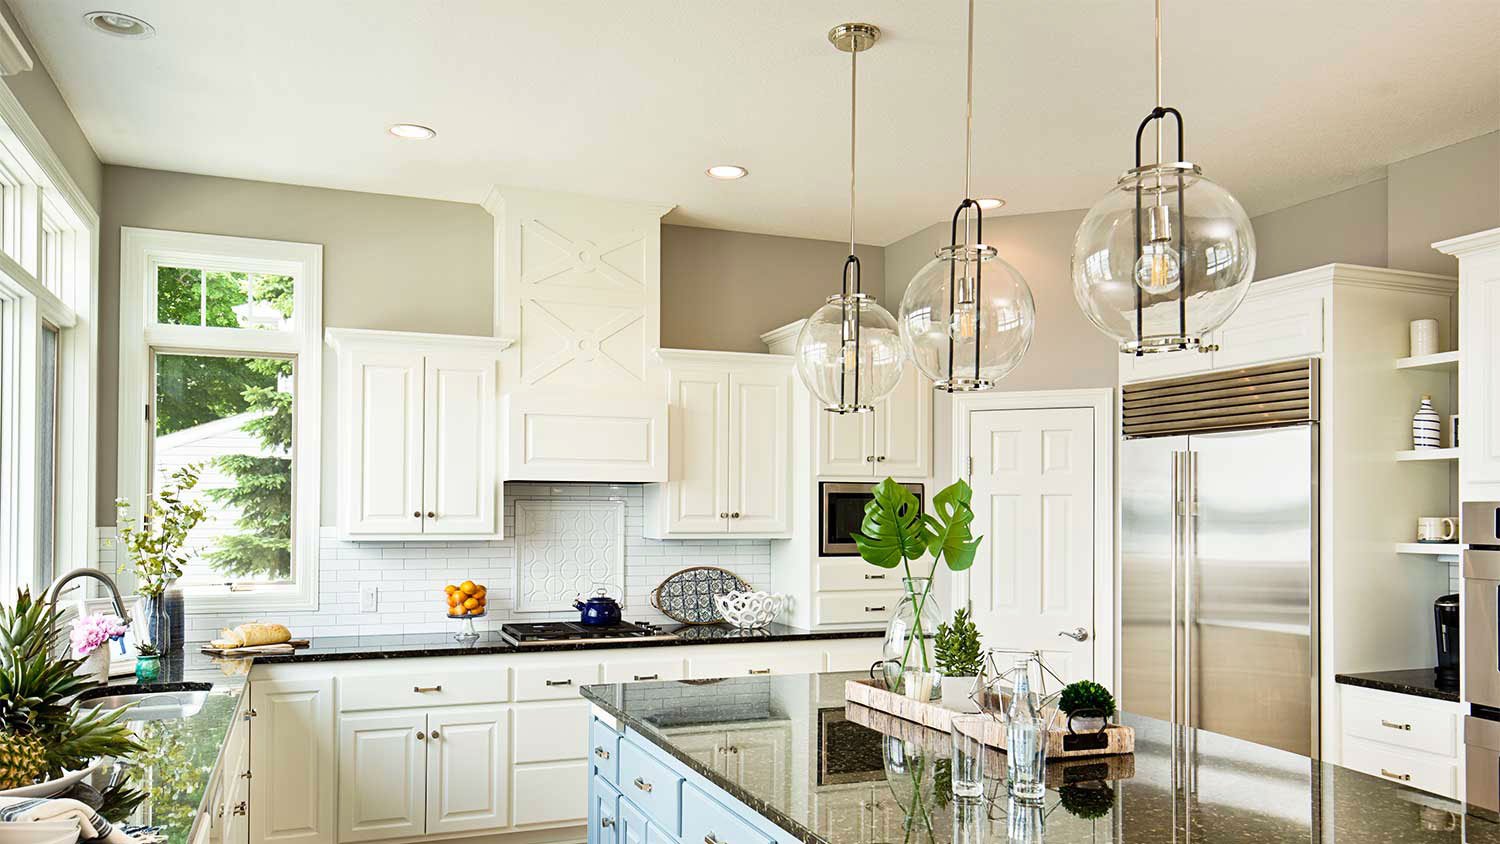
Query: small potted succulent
1087	704
147	663
959	658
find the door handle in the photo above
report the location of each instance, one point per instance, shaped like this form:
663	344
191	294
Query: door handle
1077	634
601	753
643	785
567	682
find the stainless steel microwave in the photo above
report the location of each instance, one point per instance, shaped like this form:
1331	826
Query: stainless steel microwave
841	508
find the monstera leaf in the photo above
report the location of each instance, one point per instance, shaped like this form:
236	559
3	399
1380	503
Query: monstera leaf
947	530
892	528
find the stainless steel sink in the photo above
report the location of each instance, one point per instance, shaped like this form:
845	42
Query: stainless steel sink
151	705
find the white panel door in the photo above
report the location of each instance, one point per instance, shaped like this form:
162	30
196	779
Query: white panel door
292	746
757	759
382	775
467	769
459	446
1479	377
846	444
1033	579
698	459
903	429
384	481
760	451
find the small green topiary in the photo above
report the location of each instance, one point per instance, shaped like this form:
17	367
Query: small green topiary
1087	696
957	647
1089	802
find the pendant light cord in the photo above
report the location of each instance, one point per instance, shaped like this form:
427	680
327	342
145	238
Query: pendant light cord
1159	102
853	118
969	103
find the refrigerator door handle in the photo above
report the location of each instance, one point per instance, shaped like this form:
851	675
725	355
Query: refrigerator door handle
1175	553
1189	570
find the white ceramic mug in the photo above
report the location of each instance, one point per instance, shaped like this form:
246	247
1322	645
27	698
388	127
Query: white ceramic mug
1424	337
1437	529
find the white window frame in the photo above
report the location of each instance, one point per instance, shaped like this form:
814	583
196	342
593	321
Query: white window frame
66	294
142	251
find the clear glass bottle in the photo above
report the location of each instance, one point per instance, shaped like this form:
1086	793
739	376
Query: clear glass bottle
1025	739
910	665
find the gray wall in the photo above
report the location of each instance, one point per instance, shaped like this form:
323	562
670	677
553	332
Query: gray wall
47	109
1347	227
1067	352
388	262
721	289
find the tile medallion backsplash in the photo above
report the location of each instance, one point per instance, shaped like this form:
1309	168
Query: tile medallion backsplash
574	534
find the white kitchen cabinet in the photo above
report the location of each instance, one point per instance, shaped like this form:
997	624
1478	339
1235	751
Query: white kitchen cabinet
893	440
755	757
418	423
1479	368
729	447
409	772
1408	739
292	735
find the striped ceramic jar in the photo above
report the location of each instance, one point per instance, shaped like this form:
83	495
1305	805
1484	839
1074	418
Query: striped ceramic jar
1426	426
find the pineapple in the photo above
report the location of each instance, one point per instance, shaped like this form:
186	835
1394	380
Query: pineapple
40	733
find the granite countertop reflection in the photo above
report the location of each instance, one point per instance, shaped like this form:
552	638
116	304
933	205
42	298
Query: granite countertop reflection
852	775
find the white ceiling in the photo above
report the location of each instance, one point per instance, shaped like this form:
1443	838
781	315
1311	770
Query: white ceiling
1285	100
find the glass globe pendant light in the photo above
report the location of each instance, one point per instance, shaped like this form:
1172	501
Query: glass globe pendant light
967	316
1166	256
849	351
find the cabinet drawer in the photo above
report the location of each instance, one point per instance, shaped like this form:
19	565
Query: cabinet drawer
422	689
1400	721
642	670
550	793
1428	773
604	751
705	819
657	835
843	574
550	733
649	784
554	682
856	607
787	660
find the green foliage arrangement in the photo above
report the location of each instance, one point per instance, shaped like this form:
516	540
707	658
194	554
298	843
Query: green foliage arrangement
895	532
156	548
957	647
1087	801
1086	695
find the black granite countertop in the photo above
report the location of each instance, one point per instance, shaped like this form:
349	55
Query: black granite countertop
856	776
1421	682
335	648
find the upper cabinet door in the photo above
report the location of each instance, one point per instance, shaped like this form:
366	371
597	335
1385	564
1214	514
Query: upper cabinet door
1479	375
459	489
903	429
382	775
467	769
383	469
846	443
1266	330
698	460
760	449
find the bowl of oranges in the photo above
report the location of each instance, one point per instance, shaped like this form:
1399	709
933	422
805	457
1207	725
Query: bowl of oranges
466	600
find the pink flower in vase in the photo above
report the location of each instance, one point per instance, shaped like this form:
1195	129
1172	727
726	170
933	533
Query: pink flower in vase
91	632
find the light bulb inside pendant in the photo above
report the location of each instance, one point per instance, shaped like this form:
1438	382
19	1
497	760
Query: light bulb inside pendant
1158	270
963	324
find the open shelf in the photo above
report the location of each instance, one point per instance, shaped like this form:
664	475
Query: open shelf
1430	549
1428	454
1441	360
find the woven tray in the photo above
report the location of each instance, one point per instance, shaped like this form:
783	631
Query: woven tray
1116	738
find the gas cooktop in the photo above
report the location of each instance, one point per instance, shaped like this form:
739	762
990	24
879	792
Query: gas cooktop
571	632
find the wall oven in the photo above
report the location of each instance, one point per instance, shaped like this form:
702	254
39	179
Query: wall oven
841	508
1480	533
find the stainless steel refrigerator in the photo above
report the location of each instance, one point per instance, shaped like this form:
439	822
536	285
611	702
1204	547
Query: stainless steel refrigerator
1219	567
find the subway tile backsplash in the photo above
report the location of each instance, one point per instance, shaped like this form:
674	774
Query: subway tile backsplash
410	575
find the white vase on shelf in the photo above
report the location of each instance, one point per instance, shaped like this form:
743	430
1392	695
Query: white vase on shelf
1426	426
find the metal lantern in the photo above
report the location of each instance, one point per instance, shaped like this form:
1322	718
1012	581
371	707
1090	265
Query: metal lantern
849	351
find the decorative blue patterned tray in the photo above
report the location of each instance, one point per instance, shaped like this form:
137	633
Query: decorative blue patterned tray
687	596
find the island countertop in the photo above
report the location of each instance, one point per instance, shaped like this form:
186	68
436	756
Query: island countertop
843	774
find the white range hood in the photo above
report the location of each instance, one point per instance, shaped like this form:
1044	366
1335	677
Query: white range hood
578	288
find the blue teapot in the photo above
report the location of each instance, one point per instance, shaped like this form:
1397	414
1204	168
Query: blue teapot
600	610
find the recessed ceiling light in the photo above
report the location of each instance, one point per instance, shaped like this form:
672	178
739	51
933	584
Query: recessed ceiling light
727	172
987	203
119	24
413	131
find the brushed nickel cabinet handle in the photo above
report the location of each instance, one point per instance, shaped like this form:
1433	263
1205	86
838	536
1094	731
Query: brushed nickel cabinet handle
606	821
710	839
874	609
601	753
1395	726
760	671
567	682
1395	776
874	577
647	676
643	785
425	689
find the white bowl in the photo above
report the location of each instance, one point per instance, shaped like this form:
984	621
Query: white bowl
749	610
51	787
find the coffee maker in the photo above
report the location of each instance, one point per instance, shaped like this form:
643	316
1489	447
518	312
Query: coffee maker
1445	622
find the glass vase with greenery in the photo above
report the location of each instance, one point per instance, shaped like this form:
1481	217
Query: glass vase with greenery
896	533
157	548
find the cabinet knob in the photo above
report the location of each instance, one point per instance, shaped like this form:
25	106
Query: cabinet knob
734	515
723	515
606	821
245	775
432	515
241	808
417	515
421	736
881	458
435	735
870	458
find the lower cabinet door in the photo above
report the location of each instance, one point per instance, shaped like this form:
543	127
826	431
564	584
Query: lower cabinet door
467	769
550	733
705	819
292	750
550	793
382	775
757	759
603	813
632	824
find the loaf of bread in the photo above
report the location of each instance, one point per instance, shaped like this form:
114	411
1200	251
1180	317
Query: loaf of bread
249	635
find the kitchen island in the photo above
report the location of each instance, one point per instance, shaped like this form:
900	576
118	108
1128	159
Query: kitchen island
784	759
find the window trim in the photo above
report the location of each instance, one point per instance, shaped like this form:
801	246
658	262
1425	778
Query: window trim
141	252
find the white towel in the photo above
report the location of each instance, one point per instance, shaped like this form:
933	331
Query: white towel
91	827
